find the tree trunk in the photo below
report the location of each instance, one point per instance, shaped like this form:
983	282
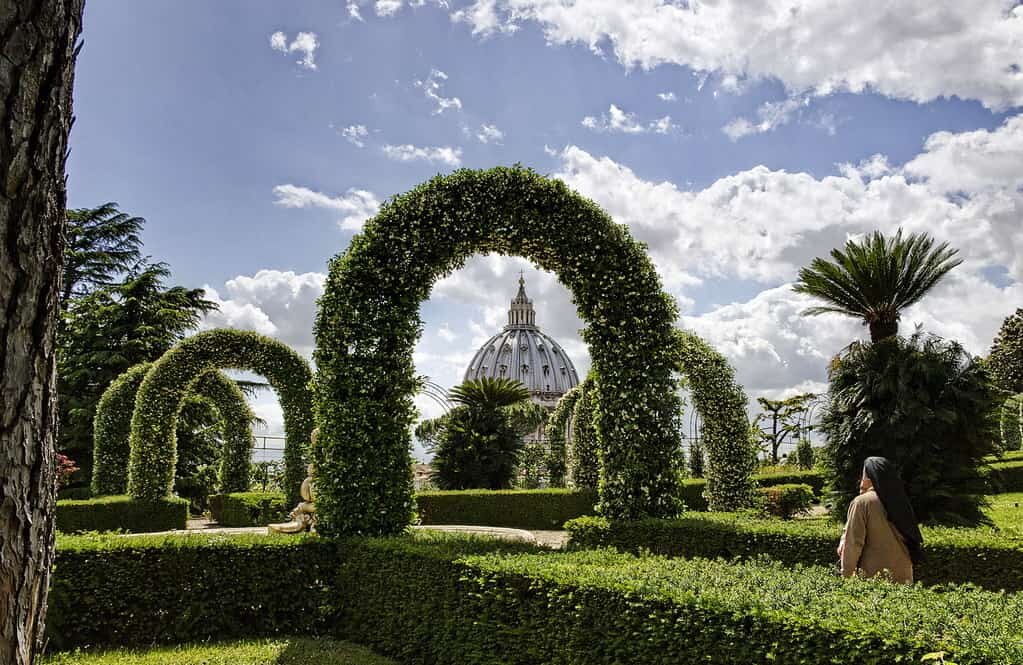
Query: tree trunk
38	48
883	329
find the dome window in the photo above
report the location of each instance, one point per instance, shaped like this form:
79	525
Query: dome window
525	368
504	369
546	370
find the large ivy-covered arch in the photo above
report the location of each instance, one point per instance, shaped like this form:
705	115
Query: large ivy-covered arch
725	430
153	444
112	429
368	324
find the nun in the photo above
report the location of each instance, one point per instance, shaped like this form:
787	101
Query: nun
881	535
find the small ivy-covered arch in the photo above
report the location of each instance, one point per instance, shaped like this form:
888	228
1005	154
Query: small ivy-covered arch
584	465
112	430
153	443
558	426
721	403
368	323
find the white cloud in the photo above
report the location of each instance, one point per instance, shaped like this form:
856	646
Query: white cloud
410	153
973	161
771	115
355	134
617	121
917	50
356	206
431	87
667	96
489	134
353	10
388	7
304	43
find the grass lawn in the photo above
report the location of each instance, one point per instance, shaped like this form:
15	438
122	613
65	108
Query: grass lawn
1006	510
280	651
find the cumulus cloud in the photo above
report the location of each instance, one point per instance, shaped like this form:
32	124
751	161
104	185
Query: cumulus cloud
356	206
489	134
388	7
917	50
410	153
304	43
431	87
617	121
355	134
770	115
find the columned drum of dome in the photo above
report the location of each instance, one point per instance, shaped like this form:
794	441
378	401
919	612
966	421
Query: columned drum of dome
524	352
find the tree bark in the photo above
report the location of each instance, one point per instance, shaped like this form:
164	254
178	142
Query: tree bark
37	55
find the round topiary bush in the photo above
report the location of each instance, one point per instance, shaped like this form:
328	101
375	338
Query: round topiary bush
153	442
725	432
368	324
112	430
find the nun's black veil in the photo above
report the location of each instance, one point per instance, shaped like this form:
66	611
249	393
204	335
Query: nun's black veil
888	485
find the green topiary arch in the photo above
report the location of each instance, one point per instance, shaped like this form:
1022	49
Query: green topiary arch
112	429
368	324
725	430
153	444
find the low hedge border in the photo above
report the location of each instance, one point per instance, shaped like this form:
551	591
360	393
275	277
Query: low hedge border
121	513
522	509
472	601
1002	477
982	557
248	508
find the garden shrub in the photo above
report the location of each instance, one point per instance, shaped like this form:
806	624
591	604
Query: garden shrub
1001	477
368	323
248	508
558	426
786	501
925	404
979	556
520	509
143	590
112	429
74	493
583	455
121	513
412	602
1005	360
694	489
725	431
153	443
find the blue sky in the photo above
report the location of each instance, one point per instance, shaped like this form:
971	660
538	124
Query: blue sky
789	126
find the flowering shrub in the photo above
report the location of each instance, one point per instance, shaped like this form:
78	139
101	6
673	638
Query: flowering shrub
112	429
152	441
66	468
368	324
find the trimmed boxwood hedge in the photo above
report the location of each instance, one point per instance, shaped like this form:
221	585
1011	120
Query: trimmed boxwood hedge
368	323
983	557
521	509
122	513
153	444
471	601
1004	477
248	508
694	489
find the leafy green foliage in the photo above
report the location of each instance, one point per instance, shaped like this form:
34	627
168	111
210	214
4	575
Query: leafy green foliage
278	651
144	590
695	461
368	324
983	557
112	429
102	244
787	501
479	441
165	386
874	279
925	404
557	430
108	331
121	513
1005	361
725	432
518	509
248	508
584	464
785	416
694	490
804	454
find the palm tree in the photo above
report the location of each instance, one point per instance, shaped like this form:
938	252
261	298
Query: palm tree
489	394
876	278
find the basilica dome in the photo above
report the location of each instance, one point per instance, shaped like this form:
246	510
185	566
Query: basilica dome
524	352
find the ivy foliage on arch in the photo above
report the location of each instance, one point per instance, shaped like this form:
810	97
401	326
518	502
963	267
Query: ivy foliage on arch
112	430
368	323
725	429
153	443
584	465
559	424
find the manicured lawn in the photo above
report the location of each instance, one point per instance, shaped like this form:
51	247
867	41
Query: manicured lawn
1006	511
281	651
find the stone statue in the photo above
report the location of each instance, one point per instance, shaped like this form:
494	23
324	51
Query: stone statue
303	517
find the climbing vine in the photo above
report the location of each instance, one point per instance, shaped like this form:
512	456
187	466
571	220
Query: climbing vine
112	430
153	443
583	455
368	324
557	428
